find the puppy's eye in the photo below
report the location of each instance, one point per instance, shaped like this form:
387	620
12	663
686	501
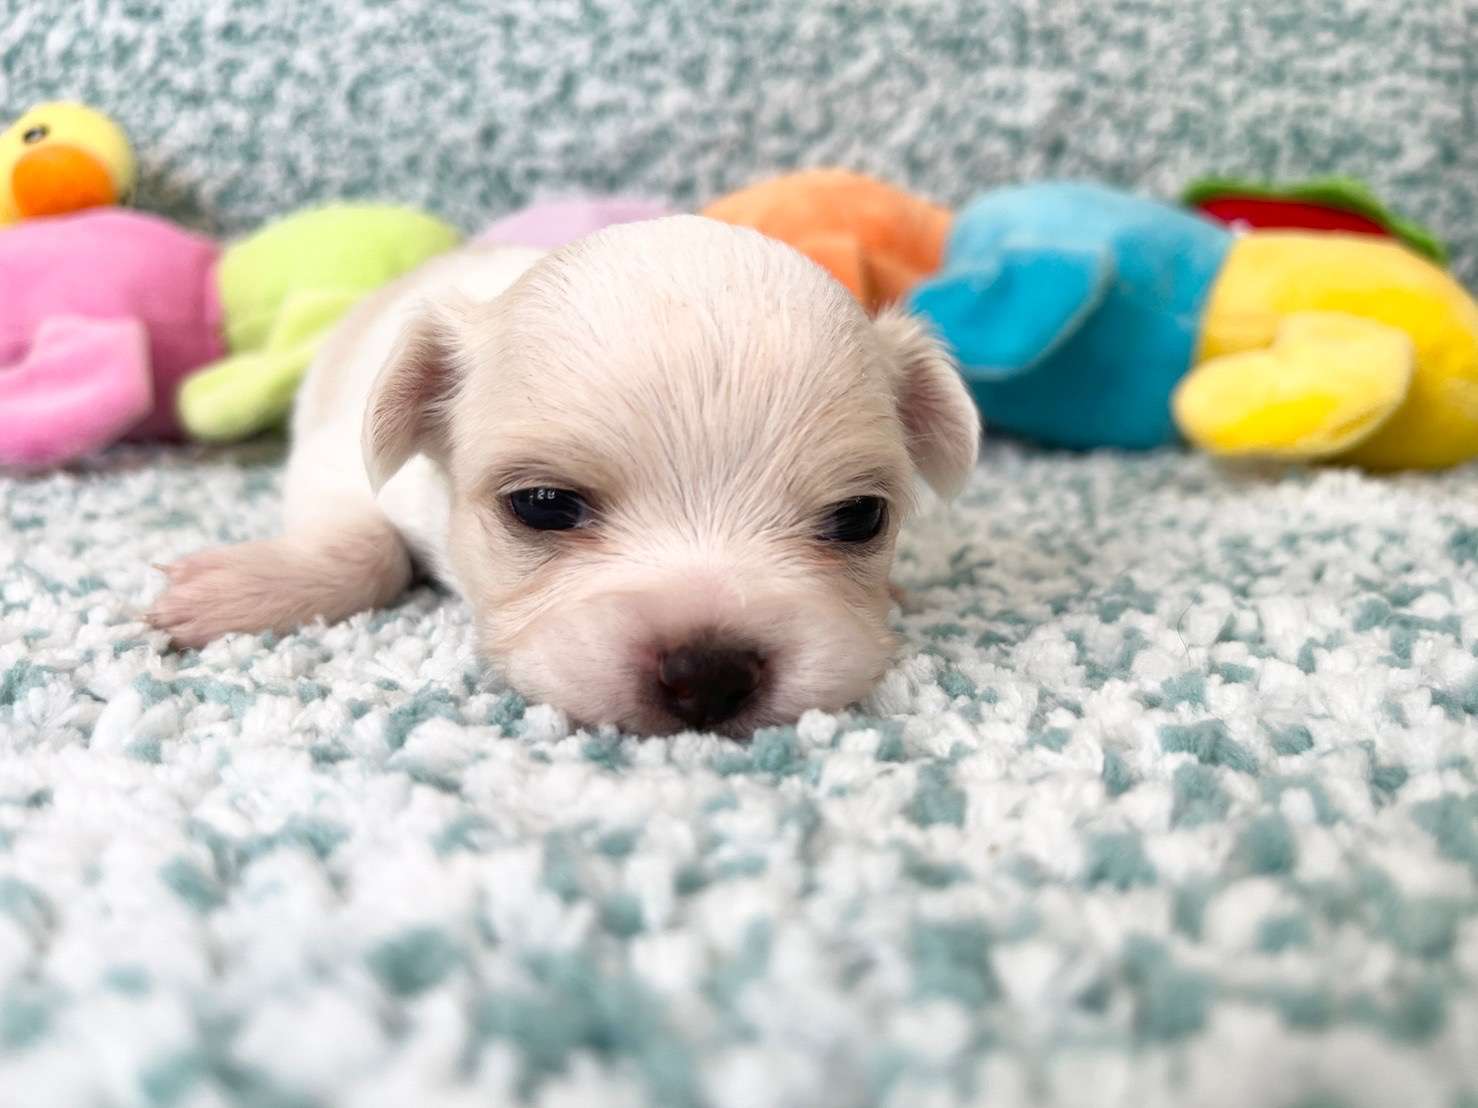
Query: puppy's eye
549	509
856	520
35	135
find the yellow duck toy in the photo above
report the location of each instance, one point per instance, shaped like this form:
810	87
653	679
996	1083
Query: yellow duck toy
62	157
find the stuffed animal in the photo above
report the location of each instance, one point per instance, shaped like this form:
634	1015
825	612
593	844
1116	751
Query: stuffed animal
1087	317
1329	204
60	158
549	224
877	240
282	289
104	315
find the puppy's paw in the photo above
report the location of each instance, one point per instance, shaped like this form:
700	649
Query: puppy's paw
209	594
280	584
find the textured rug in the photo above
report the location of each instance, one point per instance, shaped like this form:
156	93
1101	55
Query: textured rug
1169	800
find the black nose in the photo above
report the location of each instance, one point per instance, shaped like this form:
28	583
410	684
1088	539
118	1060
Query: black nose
705	685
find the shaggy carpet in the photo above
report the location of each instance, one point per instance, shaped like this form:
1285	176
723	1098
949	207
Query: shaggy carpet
1169	800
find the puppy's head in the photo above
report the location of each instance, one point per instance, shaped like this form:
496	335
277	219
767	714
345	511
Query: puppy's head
679	454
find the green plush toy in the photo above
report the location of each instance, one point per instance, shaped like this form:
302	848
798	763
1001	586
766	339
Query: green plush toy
281	290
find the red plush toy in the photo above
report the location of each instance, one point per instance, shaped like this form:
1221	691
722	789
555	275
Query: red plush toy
1331	204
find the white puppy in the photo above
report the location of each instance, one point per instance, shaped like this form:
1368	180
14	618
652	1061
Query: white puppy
665	465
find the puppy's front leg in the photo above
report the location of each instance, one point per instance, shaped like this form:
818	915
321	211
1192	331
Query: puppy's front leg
329	570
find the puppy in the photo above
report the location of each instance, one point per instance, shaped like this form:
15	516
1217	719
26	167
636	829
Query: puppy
666	465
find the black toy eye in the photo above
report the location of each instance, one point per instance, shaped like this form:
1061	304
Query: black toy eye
549	509
857	520
35	135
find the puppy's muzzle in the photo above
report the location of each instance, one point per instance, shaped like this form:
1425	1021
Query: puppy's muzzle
706	684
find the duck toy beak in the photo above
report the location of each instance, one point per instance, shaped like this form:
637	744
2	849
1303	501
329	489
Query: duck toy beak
55	178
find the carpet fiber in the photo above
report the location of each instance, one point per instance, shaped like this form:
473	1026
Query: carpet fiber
1170	799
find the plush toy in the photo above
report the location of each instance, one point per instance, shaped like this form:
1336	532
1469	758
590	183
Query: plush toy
105	313
1086	317
1330	204
548	224
102	314
281	291
877	240
60	158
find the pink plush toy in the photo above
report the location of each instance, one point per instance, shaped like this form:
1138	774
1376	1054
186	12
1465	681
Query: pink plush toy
105	313
551	223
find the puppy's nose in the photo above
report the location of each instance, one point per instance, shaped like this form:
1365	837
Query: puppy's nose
704	684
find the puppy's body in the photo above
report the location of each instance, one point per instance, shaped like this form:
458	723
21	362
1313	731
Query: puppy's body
728	440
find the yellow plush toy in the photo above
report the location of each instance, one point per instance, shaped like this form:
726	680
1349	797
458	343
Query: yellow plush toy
1334	346
60	158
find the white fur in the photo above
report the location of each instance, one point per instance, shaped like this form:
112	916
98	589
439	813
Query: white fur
710	390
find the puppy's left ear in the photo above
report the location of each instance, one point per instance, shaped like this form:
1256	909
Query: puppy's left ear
941	419
407	413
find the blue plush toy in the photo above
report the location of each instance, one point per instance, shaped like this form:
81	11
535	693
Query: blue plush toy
1075	309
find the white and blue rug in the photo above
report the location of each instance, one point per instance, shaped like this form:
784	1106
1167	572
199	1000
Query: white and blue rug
1169	800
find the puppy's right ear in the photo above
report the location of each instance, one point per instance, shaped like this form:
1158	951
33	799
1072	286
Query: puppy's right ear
410	401
940	418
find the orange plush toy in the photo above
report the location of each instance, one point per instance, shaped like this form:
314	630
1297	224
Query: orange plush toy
877	240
